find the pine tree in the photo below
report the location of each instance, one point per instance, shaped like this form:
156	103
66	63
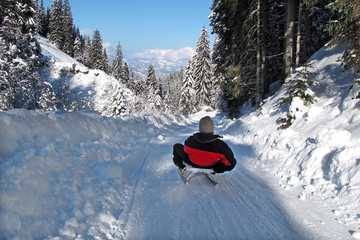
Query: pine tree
152	90
171	85
68	33
105	67
218	19
27	10
86	53
346	31
114	95
216	91
9	33
218	75
139	88
202	70
96	52
151	83
78	48
290	38
42	20
186	104
56	24
118	63
20	84
234	54
251	35
126	75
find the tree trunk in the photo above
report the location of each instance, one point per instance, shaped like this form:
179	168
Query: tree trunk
291	10
264	50
308	30
258	56
298	39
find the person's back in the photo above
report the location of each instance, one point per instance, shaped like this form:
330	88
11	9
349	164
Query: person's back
205	150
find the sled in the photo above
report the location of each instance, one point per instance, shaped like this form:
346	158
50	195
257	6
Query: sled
189	172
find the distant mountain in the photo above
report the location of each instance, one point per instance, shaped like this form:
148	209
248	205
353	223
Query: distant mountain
165	61
162	66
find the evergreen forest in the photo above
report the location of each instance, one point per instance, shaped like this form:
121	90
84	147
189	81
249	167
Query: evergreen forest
258	45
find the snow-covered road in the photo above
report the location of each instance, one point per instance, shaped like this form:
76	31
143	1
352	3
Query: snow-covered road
241	206
82	176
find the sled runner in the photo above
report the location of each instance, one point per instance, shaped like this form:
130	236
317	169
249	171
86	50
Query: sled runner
188	172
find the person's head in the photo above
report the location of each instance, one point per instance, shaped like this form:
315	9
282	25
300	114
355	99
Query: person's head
206	125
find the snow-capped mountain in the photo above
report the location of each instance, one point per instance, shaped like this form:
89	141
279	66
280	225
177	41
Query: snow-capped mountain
164	61
162	66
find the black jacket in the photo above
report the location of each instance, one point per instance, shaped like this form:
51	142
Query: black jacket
208	151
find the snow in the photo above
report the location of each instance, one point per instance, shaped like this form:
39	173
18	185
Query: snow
87	86
80	175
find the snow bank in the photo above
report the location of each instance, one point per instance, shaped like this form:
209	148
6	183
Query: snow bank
60	167
320	152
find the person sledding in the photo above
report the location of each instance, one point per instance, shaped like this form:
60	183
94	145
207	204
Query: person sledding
204	150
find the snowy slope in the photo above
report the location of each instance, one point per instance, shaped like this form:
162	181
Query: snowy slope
318	157
80	175
85	87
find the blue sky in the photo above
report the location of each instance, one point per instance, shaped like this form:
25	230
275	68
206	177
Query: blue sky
144	26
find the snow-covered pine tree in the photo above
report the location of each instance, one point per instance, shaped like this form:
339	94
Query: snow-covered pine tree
139	88
126	75
152	89
346	31
63	93
37	93
9	32
68	33
118	104
106	67
96	52
56	24
86	52
297	86
186	104
216	91
217	75
131	83
47	99
202	70
219	19
171	85
20	56
150	81
77	48
118	63
42	26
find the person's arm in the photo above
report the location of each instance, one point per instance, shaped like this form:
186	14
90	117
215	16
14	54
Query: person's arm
229	156
221	167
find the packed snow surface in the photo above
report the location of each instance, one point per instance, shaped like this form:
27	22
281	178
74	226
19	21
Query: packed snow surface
80	175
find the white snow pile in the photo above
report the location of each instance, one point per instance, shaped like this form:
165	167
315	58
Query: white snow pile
319	154
59	171
80	175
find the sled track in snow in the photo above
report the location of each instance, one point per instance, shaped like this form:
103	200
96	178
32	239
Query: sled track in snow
160	206
136	161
